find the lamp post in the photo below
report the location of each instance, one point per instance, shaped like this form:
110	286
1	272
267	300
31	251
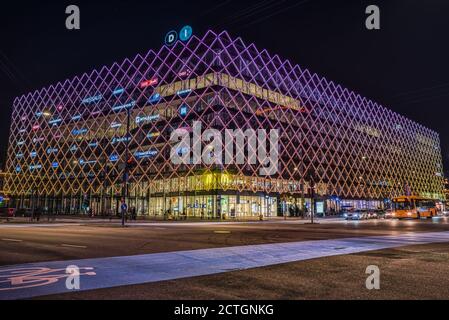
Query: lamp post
296	170
303	200
311	178
126	165
312	193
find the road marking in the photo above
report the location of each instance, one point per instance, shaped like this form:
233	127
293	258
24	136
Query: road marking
46	225
149	268
12	240
73	246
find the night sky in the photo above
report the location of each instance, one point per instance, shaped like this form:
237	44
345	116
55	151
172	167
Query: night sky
404	66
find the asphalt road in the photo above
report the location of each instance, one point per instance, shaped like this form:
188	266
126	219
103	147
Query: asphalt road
408	273
20	245
412	272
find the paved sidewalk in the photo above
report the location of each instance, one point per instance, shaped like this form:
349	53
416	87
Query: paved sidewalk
20	221
41	279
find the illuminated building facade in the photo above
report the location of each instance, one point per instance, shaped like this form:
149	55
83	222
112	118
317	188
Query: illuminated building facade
446	192
68	142
3	195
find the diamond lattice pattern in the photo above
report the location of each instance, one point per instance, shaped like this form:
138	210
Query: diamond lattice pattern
70	138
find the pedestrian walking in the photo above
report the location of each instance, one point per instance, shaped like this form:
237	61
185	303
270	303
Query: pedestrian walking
296	211
38	214
291	212
124	210
133	214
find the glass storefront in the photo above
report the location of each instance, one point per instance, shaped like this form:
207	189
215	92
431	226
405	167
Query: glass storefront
213	206
362	204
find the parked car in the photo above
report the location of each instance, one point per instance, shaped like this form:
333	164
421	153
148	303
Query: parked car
372	215
389	214
27	213
355	215
347	213
362	215
7	212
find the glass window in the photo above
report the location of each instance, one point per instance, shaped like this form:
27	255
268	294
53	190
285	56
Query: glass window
406	205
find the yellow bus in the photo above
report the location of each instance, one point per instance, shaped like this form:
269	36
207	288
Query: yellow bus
412	207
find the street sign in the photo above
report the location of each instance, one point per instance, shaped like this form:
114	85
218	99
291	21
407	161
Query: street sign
184	35
171	38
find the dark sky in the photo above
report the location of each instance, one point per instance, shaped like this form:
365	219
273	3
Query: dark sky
405	66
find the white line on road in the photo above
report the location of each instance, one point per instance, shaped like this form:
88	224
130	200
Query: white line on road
12	240
150	268
31	225
73	246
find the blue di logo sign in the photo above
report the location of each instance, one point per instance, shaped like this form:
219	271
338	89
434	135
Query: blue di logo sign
184	35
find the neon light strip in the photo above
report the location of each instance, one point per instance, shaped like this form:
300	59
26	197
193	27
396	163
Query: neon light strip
147	119
183	92
154	98
120	140
152	135
55	121
83	162
145	154
149	83
125	106
92	99
117	92
77	132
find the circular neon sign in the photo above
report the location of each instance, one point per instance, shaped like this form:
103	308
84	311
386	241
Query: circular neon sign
171	38
186	33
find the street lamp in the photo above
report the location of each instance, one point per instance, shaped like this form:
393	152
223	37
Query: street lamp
126	165
311	177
